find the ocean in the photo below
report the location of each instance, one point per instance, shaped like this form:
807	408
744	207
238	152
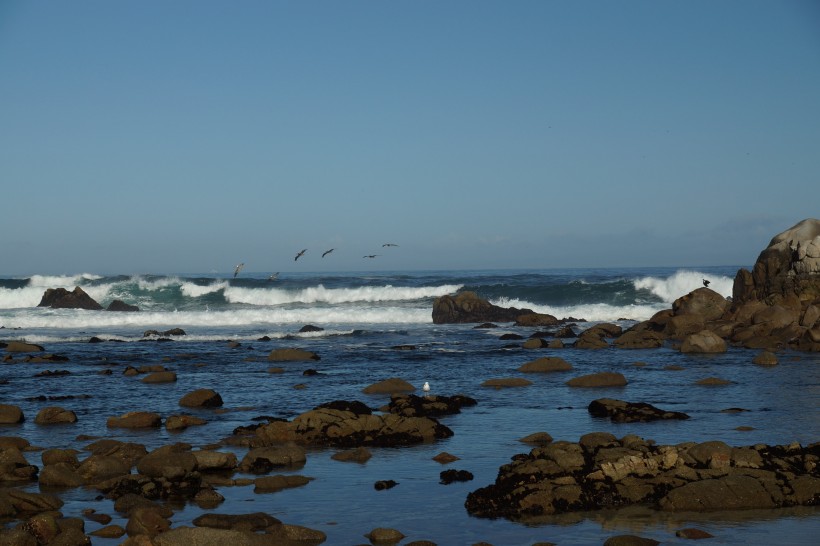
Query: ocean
363	319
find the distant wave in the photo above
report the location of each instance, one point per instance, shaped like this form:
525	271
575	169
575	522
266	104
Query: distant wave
683	282
320	294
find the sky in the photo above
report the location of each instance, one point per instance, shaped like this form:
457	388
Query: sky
188	136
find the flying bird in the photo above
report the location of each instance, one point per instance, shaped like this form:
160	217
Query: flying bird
300	254
705	283
326	252
274	276
370	256
390	244
237	269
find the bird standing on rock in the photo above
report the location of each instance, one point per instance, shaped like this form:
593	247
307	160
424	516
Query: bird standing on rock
705	283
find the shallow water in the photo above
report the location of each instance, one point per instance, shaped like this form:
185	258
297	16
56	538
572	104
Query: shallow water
783	404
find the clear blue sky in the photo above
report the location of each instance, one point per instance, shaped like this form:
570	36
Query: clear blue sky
187	136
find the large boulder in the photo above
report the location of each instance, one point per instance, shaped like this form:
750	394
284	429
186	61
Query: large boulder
790	265
60	298
703	302
468	307
704	341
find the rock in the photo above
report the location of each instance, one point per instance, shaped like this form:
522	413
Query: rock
713	381
160	377
310	328
181	422
119	305
537	438
546	364
535	343
535	319
601	471
201	398
358	455
692	533
147	520
410	405
214	461
703	302
790	265
646	339
629	412
630	540
765	358
602	379
445	458
172	462
98	468
11	415
109	531
60	475
291	355
704	341
381	485
468	307
261	460
272	484
446	477
389	386
55	415
22	347
135	419
60	298
507	382
381	535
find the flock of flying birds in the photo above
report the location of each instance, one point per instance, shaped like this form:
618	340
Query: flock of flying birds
299	254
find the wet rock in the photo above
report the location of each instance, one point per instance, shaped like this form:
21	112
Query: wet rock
291	355
14	467
135	419
639	340
11	415
537	438
22	347
60	475
98	468
55	415
389	386
181	422
601	471
602	379
501	383
381	485
272	484
546	364
147	521
468	307
121	306
410	405
171	332
381	535
310	328
704	341
160	377
201	398
693	533
765	358
60	298
358	455
713	382
172	462
630	412
109	531
630	540
447	477
535	319
258	521
445	458
262	459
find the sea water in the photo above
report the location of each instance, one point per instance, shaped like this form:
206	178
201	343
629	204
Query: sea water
376	326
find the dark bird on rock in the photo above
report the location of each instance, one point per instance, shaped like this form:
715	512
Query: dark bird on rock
370	256
705	283
389	244
300	254
326	252
237	269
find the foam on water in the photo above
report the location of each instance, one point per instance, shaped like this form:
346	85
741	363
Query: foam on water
683	282
593	312
320	294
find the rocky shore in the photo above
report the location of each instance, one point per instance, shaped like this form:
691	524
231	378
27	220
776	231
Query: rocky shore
774	307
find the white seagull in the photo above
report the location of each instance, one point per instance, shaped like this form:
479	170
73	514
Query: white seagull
426	387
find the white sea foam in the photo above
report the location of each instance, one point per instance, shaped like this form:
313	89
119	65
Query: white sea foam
593	312
320	294
193	290
683	282
31	294
155	284
61	281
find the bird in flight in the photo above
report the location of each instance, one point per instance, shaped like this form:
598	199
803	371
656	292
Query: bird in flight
274	276
705	283
326	252
390	244
237	269
370	256
300	254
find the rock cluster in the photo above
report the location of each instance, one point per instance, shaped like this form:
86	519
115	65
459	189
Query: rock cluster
602	471
468	307
630	412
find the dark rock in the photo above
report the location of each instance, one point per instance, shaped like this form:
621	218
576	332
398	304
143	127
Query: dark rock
629	412
119	305
468	307
449	476
410	405
310	328
355	407
507	337
60	298
385	484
